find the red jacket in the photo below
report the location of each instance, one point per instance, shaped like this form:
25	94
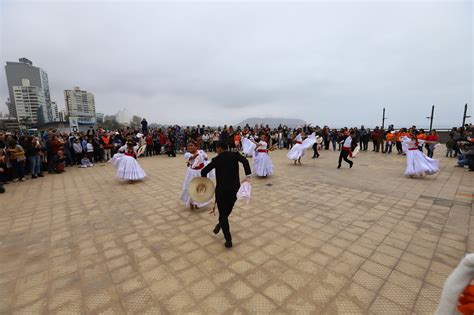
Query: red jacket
149	140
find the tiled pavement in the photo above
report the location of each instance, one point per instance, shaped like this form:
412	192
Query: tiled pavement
314	239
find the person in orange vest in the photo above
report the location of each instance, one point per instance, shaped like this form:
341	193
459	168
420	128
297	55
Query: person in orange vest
237	140
421	136
390	137
106	142
399	135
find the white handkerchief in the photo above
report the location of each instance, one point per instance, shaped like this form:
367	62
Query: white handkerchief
245	191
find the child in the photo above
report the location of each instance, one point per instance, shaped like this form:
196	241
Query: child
450	146
170	149
90	150
85	162
59	162
126	163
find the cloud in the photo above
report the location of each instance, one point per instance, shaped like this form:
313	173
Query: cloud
329	63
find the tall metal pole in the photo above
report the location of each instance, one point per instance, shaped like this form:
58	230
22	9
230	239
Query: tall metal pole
383	118
464	116
431	117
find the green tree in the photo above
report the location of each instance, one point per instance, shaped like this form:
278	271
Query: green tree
136	120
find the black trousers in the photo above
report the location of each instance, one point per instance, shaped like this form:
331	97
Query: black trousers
149	150
399	147
365	143
225	203
343	155
315	150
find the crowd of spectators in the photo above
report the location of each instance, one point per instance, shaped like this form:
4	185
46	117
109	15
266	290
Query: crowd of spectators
23	154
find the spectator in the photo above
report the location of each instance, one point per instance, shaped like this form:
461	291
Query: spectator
149	144
33	151
86	162
60	162
78	151
89	150
144	124
450	146
106	142
16	157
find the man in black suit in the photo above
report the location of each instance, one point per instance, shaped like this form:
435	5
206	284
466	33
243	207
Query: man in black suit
228	183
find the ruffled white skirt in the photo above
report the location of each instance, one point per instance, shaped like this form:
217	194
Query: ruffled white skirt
296	152
248	147
127	167
262	164
190	174
419	164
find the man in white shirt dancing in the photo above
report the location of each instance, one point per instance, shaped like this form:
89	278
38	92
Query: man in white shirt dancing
346	150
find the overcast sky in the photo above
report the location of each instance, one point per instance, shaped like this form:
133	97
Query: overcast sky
335	63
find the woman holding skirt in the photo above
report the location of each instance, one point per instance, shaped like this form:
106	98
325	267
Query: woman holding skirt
297	151
262	164
126	164
418	164
248	145
195	162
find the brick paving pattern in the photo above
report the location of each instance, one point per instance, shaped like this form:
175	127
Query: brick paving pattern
314	239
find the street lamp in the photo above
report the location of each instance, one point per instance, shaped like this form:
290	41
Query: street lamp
465	115
431	117
383	118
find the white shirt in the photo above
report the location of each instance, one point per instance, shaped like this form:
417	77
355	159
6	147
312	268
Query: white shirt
201	158
347	142
90	148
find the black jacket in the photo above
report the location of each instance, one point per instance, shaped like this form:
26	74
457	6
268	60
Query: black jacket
227	170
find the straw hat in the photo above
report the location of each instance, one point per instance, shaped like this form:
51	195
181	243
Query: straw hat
201	189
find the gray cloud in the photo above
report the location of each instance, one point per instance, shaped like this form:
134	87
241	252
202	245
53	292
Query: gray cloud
215	63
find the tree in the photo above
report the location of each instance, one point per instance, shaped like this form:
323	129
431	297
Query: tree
110	123
136	120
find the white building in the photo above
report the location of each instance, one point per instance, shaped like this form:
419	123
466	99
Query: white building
123	116
80	104
29	102
24	69
62	115
55	110
100	117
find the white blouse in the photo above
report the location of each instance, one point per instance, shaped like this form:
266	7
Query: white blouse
201	158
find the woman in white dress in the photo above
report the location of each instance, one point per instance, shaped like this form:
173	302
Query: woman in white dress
248	145
262	164
195	161
297	151
126	164
418	164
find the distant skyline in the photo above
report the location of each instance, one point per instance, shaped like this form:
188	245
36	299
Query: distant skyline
214	63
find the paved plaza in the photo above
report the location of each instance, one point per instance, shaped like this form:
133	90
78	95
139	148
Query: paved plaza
314	239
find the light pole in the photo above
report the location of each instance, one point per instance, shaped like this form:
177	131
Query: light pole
383	118
465	116
431	117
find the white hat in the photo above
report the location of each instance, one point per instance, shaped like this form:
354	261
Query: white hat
201	189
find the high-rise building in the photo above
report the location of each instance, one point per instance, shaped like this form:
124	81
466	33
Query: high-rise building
24	69
100	117
62	115
54	108
29	101
123	116
80	104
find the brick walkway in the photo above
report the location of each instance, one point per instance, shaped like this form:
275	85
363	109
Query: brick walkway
314	239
